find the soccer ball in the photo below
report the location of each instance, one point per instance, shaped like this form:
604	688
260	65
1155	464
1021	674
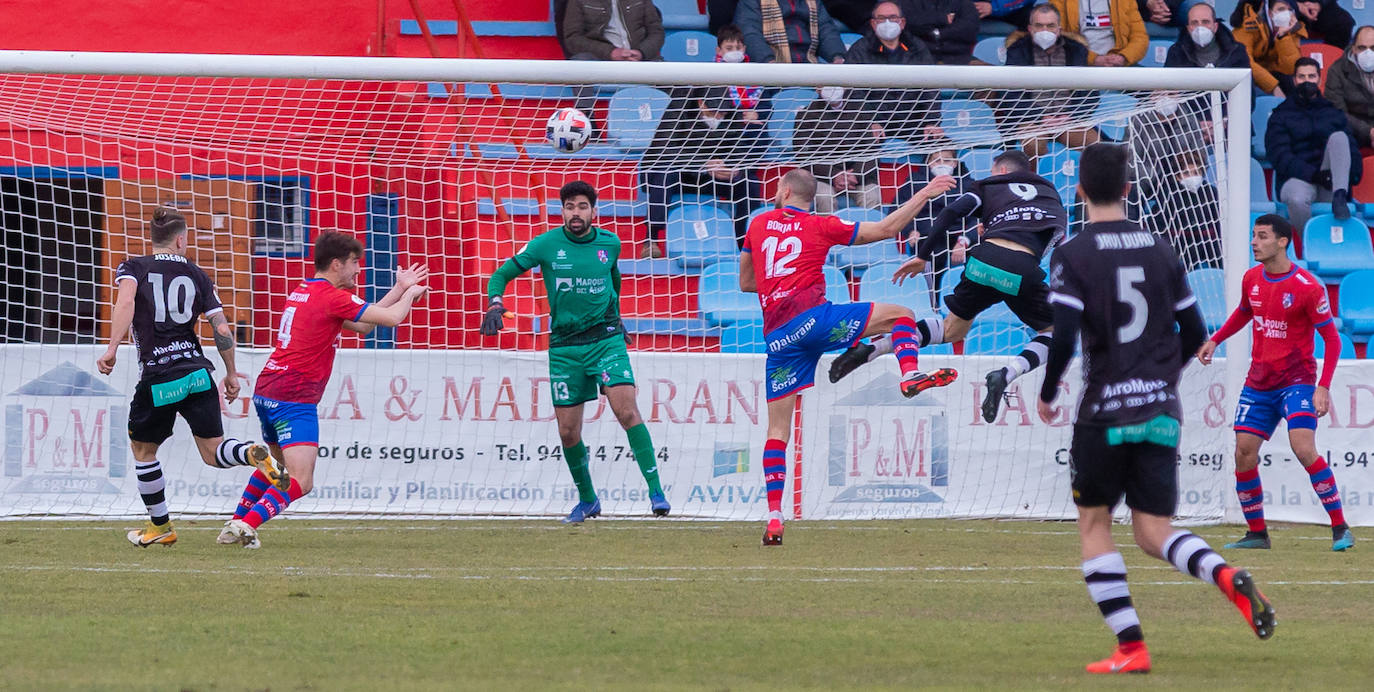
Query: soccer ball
568	130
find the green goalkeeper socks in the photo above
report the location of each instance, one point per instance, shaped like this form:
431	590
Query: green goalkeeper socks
576	456
643	449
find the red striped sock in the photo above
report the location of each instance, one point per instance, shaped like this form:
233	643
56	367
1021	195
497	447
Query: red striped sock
272	504
257	485
774	472
1251	495
904	345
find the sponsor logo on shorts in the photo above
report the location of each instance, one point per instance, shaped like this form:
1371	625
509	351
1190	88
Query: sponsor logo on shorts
782	378
793	336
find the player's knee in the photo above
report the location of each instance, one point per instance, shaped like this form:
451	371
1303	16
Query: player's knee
569	435
629	418
306	484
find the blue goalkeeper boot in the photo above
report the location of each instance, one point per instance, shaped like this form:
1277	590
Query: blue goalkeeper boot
583	511
660	505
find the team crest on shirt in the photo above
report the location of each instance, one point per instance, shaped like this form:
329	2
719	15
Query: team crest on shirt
1287	300
601	255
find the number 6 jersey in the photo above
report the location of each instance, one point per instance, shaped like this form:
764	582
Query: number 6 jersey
172	293
788	247
1128	283
306	340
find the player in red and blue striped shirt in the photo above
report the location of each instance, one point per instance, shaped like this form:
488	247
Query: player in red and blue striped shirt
293	380
1284	304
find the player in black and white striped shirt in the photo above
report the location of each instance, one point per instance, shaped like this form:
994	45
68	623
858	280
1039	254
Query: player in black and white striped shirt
160	298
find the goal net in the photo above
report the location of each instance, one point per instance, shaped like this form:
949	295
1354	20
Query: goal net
444	162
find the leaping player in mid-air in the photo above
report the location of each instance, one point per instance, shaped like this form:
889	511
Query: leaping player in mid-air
1284	304
160	297
1022	217
291	383
782	260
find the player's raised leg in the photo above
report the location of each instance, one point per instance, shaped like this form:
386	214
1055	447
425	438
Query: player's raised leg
622	398
898	324
575	454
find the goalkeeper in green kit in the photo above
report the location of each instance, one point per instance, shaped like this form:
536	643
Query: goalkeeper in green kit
587	340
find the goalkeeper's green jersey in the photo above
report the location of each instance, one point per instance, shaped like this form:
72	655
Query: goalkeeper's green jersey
581	278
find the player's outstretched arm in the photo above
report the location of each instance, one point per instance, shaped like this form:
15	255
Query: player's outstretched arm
416	273
224	343
1067	323
393	315
747	280
120	321
493	319
901	217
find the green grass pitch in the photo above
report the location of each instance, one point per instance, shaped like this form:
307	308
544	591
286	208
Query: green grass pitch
516	605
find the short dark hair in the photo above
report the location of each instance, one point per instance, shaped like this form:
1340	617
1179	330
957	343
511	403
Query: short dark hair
1307	61
577	188
729	32
1046	7
166	225
1103	172
1015	159
1280	226
334	245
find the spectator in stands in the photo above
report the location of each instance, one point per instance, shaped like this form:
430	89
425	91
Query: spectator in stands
1206	42
851	13
1013	12
836	126
1272	36
1046	44
751	101
719	13
1162	138
1323	19
1113	29
1309	143
1161	12
1350	85
788	31
949	27
1189	213
702	147
938	163
610	30
903	113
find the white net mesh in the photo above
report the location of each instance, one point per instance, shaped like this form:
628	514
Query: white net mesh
432	418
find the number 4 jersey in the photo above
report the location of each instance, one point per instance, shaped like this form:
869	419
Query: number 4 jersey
788	247
1128	283
172	292
310	328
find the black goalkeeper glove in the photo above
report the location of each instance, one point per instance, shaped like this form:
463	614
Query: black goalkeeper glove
492	320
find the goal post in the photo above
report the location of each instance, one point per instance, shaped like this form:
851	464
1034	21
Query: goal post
441	161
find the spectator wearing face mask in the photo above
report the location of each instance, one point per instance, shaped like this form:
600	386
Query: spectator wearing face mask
1309	143
1323	19
1189	214
1272	35
751	102
1206	42
938	163
1113	29
1046	44
903	113
1163	136
836	127
1350	85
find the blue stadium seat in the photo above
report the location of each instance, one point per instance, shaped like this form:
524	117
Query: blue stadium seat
1157	52
1259	189
719	297
681	14
1335	248
949	281
1347	347
689	46
1209	286
699	234
745	336
876	286
897	151
991	335
1357	303
786	104
857	258
849	39
978	162
633	116
1115	109
1259	124
968	123
836	285
1059	165
991	50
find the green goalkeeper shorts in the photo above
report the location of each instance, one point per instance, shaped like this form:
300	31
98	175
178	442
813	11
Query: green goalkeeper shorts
575	372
